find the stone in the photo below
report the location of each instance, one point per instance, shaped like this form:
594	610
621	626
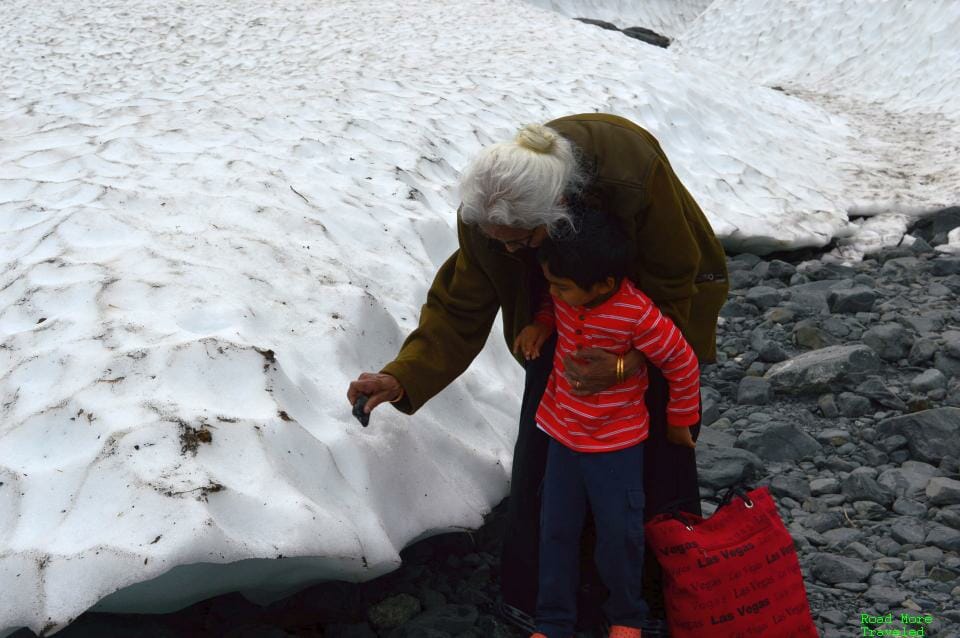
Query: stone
932	435
944	537
833	436
949	366
821	486
934	228
646	35
890	341
929	555
874	389
720	467
754	391
899	267
913	570
834	569
869	510
763	297
909	480
928	380
922	351
394	611
909	507
943	491
908	531
795	487
599	23
779	442
828	406
892	443
771	352
842	536
944	266
709	405
823	370
782	270
860	486
853	405
823	521
851	300
885	595
807	335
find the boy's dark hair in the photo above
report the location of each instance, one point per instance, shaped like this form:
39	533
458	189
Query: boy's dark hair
599	249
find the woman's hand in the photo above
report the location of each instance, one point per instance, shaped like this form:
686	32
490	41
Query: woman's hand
680	436
379	387
531	339
592	370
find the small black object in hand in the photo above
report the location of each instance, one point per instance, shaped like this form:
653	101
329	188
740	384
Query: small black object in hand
363	417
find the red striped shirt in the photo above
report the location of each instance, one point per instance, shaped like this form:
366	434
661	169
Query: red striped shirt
617	417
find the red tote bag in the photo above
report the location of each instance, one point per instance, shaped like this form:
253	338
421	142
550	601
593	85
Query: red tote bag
733	575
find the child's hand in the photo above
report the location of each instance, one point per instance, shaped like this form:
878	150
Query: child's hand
680	436
531	339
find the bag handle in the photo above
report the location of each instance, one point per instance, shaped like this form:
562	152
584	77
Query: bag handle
737	490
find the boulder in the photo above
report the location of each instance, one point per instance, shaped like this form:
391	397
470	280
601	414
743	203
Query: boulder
875	390
861	486
720	467
890	341
646	35
834	569
823	370
934	228
754	391
910	480
943	491
779	442
851	300
932	435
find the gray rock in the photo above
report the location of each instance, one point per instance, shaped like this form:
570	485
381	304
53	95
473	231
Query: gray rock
943	491
720	467
860	486
823	370
823	521
932	435
929	555
890	341
892	443
949	366
944	266
908	531
909	480
833	436
828	406
842	536
771	352
821	486
874	389
944	537
646	35
763	297
922	351
754	391
853	405
869	510
796	487
885	595
898	267
851	300
913	570
909	507
393	611
928	380
807	335
710	405
779	442
834	569
934	228
599	23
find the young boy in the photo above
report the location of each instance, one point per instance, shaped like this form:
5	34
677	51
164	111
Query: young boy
595	454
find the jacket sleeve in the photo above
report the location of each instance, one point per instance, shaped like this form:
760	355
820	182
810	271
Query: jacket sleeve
664	346
667	253
454	325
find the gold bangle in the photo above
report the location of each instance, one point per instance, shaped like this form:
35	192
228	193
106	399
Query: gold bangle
620	375
399	397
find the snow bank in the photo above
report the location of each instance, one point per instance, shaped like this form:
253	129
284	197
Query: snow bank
667	17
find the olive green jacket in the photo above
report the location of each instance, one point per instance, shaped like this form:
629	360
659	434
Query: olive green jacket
679	263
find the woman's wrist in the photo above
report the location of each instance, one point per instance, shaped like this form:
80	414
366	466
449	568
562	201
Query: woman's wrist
633	361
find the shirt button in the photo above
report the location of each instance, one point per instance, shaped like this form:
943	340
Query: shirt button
582	317
579	332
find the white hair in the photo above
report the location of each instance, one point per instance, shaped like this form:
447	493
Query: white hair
521	183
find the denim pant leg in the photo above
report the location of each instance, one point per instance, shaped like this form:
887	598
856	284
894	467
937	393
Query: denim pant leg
521	537
614	485
561	522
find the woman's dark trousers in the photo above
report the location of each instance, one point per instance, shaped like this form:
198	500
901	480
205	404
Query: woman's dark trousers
613	487
669	476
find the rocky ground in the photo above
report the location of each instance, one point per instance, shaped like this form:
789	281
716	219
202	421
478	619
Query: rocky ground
837	386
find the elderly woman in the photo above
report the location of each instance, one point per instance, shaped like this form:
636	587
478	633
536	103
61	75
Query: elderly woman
514	194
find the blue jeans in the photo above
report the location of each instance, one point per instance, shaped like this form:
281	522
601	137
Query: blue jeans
611	484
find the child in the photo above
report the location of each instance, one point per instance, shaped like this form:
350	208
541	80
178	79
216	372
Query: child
595	454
